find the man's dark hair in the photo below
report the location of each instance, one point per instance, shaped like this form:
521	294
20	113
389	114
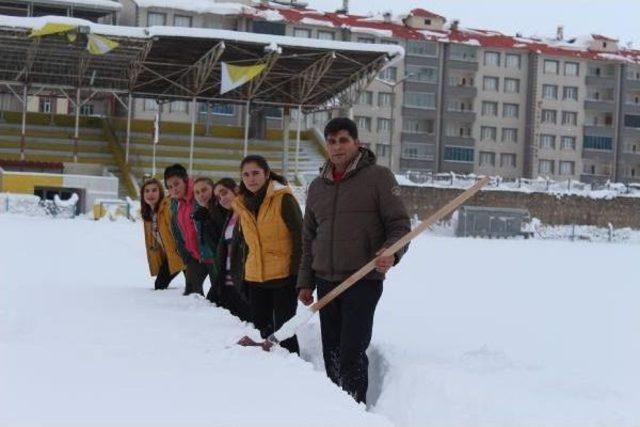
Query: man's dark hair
341	123
175	170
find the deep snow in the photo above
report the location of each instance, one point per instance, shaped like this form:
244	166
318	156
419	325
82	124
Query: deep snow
468	332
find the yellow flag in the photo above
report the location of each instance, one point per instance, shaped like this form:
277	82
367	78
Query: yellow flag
52	28
99	45
234	76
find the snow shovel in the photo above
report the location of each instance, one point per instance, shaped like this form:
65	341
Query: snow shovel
304	315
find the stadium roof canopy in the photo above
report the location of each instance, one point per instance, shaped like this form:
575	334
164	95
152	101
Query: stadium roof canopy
174	63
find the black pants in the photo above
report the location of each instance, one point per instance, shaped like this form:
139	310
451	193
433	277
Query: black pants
236	302
271	308
164	277
346	325
195	274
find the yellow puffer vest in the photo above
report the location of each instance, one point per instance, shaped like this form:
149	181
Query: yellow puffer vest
267	236
157	254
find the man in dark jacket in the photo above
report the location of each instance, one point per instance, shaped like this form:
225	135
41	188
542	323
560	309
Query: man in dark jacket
353	213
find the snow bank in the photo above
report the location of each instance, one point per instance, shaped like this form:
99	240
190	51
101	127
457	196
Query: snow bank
85	340
607	190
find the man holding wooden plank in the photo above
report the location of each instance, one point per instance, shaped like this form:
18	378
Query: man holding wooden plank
353	213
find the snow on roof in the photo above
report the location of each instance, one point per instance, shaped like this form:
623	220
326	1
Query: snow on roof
580	47
95	4
197	6
393	51
426	13
601	37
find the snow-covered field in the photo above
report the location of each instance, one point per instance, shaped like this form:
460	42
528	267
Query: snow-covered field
469	332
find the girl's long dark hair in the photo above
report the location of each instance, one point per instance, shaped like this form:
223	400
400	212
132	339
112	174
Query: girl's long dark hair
262	164
217	214
145	209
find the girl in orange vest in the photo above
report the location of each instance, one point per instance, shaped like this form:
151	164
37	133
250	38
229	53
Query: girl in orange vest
272	228
164	261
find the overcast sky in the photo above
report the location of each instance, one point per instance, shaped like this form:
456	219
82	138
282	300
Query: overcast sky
615	18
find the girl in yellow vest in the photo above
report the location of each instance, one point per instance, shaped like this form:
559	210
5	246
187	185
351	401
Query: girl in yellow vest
271	223
164	261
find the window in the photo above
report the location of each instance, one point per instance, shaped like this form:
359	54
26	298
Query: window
416	151
571	68
633	74
488	133
489	108
273	112
417	126
369	40
150	105
569	118
302	32
550	66
550	91
549	116
570	92
422	74
460	52
597	143
462	130
182	21
385	99
459	105
487	158
492	59
510	110
511	85
510	135
545	166
154	18
384	125
631	121
420	99
178	106
86	110
389	74
422	48
365	98
364	123
548	141
326	35
268	27
45	104
568	143
458	154
512	60
490	84
223	109
382	150
507	160
567	168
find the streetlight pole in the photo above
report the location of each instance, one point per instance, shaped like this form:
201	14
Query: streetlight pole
393	86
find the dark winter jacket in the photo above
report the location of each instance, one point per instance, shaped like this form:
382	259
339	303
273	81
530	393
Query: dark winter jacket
347	222
238	250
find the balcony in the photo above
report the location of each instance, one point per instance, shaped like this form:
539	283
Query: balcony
460	140
462	91
457	63
599	105
632	108
632	84
601	81
598	130
460	115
